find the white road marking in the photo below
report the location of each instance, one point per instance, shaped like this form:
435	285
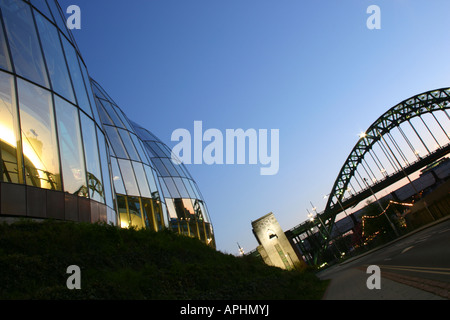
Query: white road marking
406	249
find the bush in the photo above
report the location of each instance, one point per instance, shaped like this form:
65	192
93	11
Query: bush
134	264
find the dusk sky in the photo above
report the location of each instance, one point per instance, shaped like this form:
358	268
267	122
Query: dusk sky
311	69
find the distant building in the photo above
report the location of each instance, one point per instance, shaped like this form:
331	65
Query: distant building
274	247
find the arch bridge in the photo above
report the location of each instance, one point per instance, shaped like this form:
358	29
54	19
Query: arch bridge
405	139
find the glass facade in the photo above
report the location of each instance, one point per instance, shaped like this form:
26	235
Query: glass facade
50	135
187	212
67	150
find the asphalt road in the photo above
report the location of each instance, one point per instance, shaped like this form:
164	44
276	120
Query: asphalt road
420	258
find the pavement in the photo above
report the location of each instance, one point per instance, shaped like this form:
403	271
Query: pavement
350	284
349	281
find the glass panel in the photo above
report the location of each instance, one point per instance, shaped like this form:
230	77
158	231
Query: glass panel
117	177
94	175
38	136
124	219
194	187
204	212
112	113
71	149
77	77
106	173
172	188
170	167
160	167
142	181
191	193
8	130
150	180
60	21
129	145
139	149
149	150
171	208
128	177
56	64
165	192
147	208
41	5
5	63
181	188
134	209
105	119
98	91
156	149
87	82
23	40
124	119
116	142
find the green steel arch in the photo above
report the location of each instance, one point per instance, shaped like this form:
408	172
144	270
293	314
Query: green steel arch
418	105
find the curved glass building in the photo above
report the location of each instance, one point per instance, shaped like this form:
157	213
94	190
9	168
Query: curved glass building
67	151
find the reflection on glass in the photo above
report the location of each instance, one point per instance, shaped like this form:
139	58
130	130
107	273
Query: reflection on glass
94	176
116	142
60	21
171	187
4	55
112	113
124	219
134	211
141	180
129	144
71	150
41	5
8	130
139	149
77	77
117	177
23	41
106	173
147	208
128	178
56	63
151	182
38	136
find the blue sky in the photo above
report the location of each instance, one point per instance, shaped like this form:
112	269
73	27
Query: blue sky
311	69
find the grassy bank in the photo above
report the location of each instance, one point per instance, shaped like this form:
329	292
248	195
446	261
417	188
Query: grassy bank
129	264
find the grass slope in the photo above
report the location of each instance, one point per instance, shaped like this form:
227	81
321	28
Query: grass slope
134	264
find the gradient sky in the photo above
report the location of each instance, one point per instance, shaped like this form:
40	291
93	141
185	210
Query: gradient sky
311	69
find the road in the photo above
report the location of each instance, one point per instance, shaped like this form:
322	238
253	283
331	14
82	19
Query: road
420	260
